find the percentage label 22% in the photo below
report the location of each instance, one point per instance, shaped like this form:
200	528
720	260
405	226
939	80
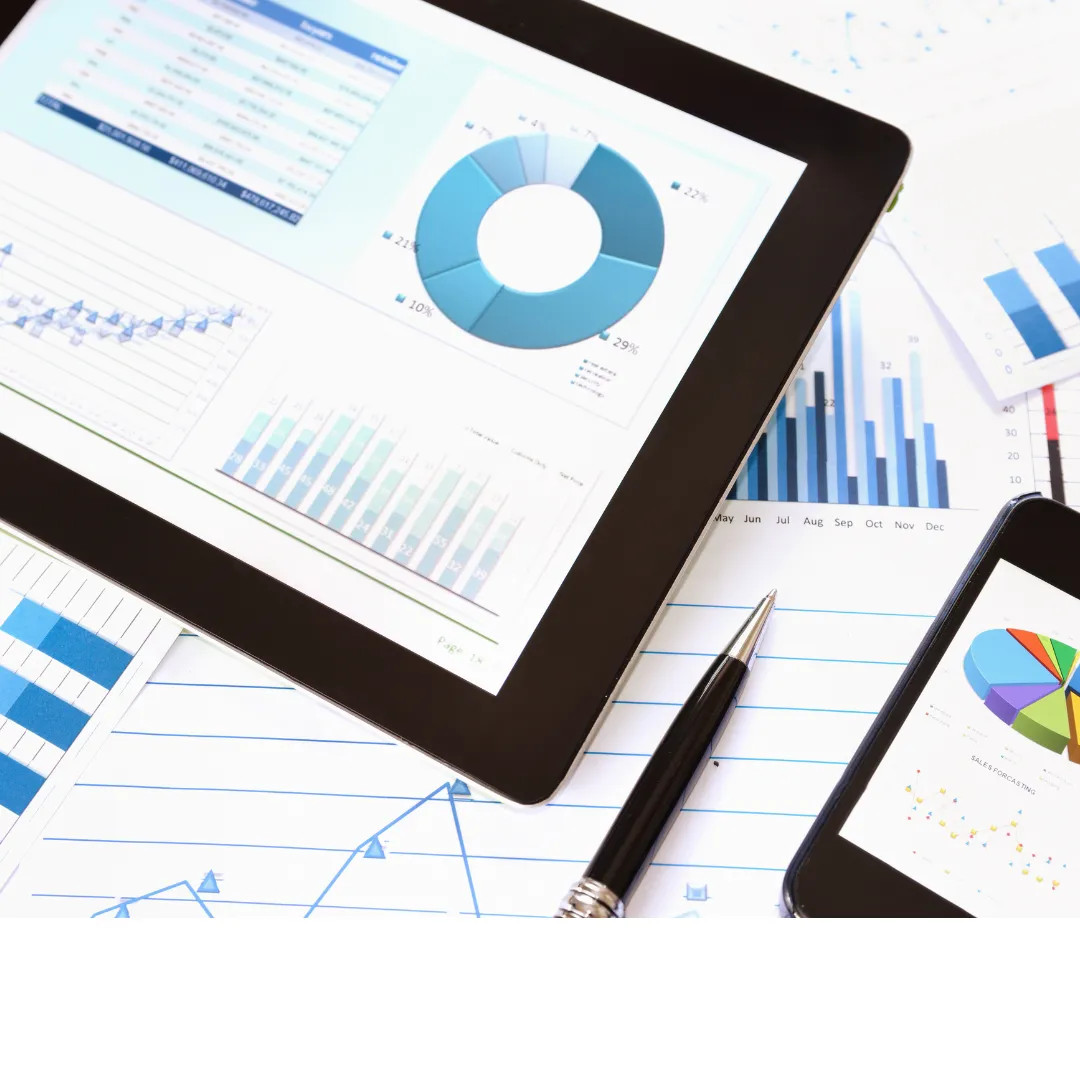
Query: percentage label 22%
692	193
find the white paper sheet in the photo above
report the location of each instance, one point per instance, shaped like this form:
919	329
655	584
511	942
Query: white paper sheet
74	654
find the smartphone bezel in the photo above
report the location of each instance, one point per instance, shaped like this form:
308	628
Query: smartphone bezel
832	877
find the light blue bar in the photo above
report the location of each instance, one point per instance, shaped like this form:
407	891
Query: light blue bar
742	485
488	561
782	448
426	518
1064	267
875	496
369	473
245	445
889	419
341	471
450	526
830	449
801	452
310	476
1026	313
931	457
858	392
772	440
838	469
269	451
902	490
923	476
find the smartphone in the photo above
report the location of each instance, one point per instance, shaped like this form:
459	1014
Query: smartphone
964	797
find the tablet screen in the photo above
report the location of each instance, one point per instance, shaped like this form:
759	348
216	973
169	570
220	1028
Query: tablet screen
978	795
371	297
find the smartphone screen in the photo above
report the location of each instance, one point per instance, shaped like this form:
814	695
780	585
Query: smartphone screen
978	796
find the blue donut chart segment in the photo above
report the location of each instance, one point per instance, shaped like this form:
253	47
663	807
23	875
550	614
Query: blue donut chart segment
465	292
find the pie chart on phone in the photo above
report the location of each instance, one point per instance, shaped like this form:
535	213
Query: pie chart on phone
1032	683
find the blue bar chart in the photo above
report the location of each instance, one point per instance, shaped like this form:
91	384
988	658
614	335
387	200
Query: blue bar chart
1040	323
63	651
823	444
451	510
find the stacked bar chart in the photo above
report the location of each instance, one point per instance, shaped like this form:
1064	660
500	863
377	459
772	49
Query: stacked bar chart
1029	316
448	514
821	446
54	675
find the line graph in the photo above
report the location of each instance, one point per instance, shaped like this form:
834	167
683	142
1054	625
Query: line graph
373	848
104	330
123	909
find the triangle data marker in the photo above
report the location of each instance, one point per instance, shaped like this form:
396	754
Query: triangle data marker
209	884
375	850
460	789
122	912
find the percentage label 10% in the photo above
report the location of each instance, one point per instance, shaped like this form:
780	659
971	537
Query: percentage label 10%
417	306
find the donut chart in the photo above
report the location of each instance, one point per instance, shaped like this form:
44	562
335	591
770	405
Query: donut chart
462	288
1030	682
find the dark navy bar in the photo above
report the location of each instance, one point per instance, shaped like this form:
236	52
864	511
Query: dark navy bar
912	493
317	31
174	161
792	459
943	485
823	462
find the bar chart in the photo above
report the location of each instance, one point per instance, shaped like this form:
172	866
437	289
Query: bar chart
849	431
67	642
1025	311
1054	423
451	509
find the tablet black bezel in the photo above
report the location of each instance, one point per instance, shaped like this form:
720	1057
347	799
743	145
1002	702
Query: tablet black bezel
523	741
831	876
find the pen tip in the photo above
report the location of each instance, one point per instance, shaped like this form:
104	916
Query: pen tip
771	594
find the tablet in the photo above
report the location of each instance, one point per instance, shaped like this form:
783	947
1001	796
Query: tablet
406	347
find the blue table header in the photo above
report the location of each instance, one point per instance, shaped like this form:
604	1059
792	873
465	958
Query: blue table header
327	35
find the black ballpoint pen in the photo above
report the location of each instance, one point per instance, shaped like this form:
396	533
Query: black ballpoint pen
656	799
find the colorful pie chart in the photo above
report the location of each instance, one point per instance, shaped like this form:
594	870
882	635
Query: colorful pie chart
463	289
1030	682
